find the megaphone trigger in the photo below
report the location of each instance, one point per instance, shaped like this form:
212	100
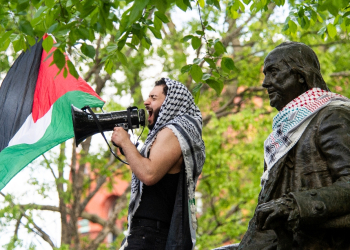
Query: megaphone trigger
123	125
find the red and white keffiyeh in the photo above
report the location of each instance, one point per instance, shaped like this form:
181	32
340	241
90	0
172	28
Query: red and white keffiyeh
290	123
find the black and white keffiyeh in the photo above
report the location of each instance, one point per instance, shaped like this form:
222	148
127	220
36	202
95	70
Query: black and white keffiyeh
180	114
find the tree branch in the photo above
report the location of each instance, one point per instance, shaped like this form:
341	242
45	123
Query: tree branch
40	232
221	112
48	165
341	74
100	181
84	215
120	204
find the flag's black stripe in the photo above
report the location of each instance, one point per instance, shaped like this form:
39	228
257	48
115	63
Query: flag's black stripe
17	92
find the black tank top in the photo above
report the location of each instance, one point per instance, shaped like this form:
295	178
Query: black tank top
157	201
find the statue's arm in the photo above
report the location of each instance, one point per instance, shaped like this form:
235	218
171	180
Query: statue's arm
333	140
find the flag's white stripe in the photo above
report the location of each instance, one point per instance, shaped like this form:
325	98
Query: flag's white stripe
31	132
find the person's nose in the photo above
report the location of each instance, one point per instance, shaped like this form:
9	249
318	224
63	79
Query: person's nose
147	102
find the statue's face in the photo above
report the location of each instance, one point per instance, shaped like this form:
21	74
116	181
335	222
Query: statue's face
281	83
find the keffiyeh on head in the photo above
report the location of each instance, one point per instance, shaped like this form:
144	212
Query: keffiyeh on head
178	103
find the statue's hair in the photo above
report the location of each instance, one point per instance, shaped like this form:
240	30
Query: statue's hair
303	60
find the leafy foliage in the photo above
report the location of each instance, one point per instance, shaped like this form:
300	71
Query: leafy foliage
119	46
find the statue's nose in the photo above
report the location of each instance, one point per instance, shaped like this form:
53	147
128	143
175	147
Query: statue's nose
266	83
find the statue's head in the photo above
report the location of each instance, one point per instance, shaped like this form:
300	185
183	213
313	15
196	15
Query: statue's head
290	70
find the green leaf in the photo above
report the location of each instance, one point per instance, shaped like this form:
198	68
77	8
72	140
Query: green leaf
197	60
227	64
292	26
53	28
155	32
332	31
219	48
201	3
148	40
5	36
49	3
208	27
40	11
131	46
109	66
26	27
233	12
188	3
19	44
210	62
200	32
181	5
145	44
217	4
186	68
216	85
206	76
196	92
47	43
196	42
72	69
196	73
111	48
161	16
122	58
186	38
88	50
136	10
65	72
157	23
5	45
197	88
322	30
59	59
285	27
31	40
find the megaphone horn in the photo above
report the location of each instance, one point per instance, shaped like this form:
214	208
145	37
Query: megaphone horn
85	125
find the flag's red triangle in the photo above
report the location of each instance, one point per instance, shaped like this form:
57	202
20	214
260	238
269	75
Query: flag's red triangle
51	86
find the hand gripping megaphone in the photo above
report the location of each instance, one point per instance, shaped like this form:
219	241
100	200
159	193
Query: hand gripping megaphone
87	124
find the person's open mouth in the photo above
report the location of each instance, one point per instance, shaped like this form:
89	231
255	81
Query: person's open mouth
150	114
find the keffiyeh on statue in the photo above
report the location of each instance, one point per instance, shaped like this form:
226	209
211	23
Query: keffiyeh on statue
290	123
180	114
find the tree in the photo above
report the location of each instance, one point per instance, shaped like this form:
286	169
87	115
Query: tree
218	55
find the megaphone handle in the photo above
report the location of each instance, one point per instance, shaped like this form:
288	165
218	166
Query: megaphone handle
120	149
103	135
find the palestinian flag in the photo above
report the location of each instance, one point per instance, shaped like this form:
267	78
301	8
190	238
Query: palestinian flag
35	109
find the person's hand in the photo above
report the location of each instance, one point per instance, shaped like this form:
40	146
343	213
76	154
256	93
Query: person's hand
120	136
272	214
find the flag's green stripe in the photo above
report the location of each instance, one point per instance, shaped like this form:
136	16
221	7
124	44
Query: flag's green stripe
13	159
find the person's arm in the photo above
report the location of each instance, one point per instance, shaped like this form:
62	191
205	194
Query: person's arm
164	157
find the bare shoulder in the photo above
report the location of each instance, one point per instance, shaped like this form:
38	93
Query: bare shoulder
166	141
167	135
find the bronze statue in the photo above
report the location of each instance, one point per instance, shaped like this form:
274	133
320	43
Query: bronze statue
305	198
